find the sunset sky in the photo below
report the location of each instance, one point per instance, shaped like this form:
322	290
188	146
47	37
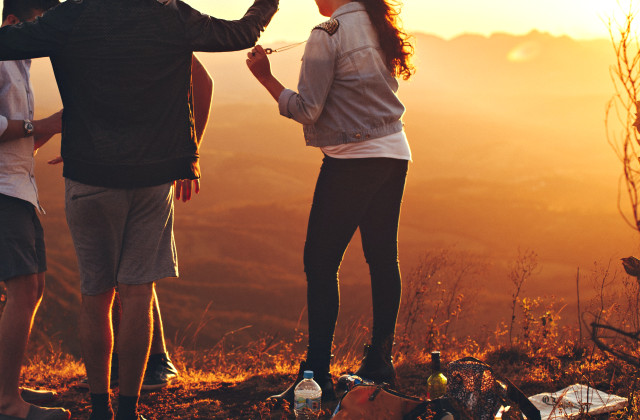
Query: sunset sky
576	18
583	19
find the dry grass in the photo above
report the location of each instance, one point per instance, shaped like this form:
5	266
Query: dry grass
537	352
234	383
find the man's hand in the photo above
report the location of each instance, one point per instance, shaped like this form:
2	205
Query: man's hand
183	188
46	128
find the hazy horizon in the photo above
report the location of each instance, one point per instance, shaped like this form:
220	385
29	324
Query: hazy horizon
582	19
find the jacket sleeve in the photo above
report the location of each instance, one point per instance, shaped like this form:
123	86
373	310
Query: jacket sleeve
206	33
4	123
41	38
316	77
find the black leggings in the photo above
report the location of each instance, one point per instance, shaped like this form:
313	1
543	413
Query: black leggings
352	193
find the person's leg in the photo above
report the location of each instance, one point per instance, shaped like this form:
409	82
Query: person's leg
343	189
115	324
116	312
38	396
160	370
333	220
135	335
157	341
379	232
23	299
96	217
158	345
22	268
148	255
96	337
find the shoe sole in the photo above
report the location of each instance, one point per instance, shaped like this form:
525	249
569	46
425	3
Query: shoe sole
146	387
154	387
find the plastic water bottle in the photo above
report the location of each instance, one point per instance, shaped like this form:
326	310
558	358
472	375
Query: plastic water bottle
307	397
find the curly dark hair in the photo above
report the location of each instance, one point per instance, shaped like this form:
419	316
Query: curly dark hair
23	8
395	43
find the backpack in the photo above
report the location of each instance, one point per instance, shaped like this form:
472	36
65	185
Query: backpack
377	402
474	392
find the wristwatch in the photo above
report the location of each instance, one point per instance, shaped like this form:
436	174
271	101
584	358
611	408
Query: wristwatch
28	128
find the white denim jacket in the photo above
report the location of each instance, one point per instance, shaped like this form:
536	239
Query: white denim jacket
346	93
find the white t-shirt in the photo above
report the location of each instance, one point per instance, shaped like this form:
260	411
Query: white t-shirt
395	146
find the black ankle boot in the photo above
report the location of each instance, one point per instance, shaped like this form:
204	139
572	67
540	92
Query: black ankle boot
377	364
322	378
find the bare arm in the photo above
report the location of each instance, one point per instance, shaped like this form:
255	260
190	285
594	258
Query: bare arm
202	86
55	121
43	129
202	94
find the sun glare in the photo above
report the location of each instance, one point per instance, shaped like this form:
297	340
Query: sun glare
616	17
525	51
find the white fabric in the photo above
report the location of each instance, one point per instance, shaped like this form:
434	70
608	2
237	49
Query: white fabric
17	165
395	146
570	402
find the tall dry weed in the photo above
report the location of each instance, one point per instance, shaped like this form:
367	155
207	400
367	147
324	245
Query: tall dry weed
522	269
437	298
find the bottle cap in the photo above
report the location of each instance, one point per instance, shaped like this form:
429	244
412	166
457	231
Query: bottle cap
308	374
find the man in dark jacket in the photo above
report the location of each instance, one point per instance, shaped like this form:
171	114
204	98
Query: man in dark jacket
123	69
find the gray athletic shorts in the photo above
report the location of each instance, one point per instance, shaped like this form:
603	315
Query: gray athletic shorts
121	235
22	250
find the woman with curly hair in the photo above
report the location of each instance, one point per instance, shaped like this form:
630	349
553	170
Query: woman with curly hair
349	108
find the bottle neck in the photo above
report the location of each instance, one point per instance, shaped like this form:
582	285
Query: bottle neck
435	361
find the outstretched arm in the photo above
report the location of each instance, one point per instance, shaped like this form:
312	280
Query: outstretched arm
42	37
206	33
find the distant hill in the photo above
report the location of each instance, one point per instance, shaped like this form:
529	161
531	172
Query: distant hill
509	152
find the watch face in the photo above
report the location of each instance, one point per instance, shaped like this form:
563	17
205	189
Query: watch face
28	128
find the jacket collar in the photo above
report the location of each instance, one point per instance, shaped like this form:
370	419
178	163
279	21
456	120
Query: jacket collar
354	6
